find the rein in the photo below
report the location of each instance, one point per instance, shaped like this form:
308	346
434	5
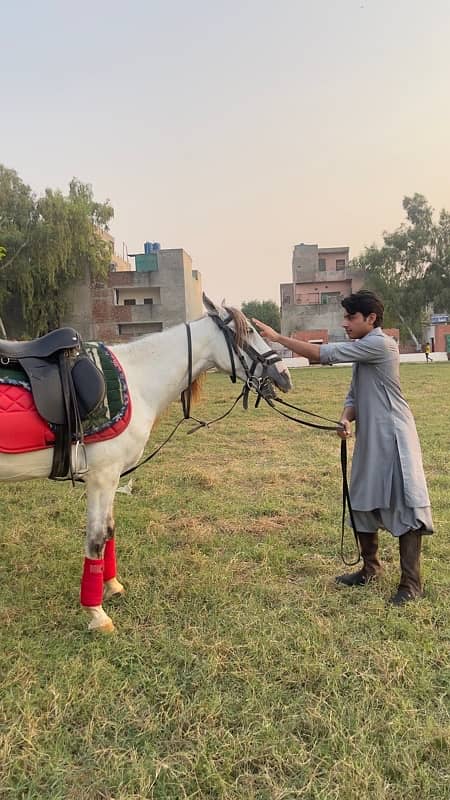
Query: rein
263	387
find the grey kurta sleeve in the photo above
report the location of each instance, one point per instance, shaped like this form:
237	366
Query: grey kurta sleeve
350	399
370	349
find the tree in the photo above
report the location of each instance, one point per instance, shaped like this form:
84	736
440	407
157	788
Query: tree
17	214
411	271
50	242
265	310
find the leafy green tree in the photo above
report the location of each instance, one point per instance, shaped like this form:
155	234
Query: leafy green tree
51	241
17	216
265	310
411	271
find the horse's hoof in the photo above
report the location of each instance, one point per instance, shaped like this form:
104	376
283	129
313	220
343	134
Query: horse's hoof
106	627
112	588
100	622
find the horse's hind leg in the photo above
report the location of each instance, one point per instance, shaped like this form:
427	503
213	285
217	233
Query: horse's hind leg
99	512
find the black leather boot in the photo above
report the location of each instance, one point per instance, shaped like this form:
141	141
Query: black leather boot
410	586
368	543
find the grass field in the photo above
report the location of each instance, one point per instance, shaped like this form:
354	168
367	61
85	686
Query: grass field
239	670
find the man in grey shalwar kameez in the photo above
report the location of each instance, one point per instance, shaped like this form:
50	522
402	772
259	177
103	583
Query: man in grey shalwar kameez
388	487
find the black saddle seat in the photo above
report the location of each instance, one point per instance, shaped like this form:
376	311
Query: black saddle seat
43	347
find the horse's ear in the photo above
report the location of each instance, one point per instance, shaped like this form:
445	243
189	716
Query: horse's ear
209	305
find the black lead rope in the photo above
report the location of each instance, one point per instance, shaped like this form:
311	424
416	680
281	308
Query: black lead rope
346	502
270	402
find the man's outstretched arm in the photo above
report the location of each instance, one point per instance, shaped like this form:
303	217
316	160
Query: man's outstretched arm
305	349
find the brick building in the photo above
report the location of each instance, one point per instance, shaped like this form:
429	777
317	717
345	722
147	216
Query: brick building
161	291
311	303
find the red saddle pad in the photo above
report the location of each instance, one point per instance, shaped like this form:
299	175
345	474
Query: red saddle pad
23	430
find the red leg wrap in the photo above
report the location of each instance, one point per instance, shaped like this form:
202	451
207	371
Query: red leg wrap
110	560
92	582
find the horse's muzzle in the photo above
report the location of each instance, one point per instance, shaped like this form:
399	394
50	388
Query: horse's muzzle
280	377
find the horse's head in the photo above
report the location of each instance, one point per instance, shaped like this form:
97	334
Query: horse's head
243	352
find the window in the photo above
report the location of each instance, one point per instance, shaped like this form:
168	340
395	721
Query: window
340	263
130	301
286	300
329	297
322	264
148	301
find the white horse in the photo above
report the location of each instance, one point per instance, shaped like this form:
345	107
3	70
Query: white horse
157	370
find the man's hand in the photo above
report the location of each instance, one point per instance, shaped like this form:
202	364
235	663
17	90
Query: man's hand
266	331
346	431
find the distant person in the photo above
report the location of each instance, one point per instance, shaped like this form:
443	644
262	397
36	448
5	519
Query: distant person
427	352
388	488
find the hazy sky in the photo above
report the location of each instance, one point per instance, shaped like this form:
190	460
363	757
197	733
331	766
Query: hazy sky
232	128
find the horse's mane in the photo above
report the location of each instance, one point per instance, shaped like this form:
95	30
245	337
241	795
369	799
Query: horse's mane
240	325
241	333
196	387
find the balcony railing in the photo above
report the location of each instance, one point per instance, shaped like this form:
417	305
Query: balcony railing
316	299
148	312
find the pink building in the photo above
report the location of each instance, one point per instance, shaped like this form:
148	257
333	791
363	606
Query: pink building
321	277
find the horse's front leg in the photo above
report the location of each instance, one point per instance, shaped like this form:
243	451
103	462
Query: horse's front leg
99	526
111	586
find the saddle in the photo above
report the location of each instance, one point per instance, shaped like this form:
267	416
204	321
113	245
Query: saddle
66	386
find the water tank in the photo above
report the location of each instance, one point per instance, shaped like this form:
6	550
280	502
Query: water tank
148	246
156	247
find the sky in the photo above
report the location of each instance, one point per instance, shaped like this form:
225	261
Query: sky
234	129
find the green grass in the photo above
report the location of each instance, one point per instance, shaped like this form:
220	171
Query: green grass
239	670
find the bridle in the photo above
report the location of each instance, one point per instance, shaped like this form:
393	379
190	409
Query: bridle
267	359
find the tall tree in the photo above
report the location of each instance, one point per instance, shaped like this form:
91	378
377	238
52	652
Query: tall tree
265	310
17	217
411	271
50	242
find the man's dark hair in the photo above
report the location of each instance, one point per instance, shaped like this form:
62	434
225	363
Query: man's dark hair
366	302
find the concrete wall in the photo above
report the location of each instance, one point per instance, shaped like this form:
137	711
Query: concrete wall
319	336
139	293
305	261
192	289
314	317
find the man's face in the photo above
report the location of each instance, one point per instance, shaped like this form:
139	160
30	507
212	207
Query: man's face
356	326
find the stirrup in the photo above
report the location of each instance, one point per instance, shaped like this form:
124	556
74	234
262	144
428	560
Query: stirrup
80	463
